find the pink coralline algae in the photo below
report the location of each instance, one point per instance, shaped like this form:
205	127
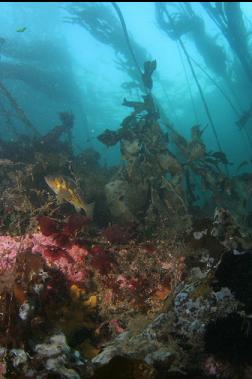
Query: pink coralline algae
124	283
68	260
9	248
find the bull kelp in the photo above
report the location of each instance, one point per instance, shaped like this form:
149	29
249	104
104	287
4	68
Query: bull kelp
125	190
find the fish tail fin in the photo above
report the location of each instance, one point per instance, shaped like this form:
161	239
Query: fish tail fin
89	209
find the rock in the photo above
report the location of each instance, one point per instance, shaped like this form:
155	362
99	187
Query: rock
160	356
19	357
121	367
56	345
116	192
235	272
105	357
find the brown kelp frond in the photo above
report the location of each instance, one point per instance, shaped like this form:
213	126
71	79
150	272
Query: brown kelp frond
102	23
19	111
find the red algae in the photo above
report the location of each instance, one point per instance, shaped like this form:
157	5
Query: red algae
48	226
120	234
63	231
102	260
75	223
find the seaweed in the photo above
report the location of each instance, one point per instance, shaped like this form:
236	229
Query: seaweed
186	22
19	111
100	21
231	23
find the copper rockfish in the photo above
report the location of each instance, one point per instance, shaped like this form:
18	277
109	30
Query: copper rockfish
66	189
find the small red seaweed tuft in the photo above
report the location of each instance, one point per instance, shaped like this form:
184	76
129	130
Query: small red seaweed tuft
120	234
102	260
97	250
48	226
74	223
62	232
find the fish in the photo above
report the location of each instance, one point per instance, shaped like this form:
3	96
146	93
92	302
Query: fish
21	30
66	189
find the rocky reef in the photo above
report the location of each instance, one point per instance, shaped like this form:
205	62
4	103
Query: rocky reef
155	284
79	303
